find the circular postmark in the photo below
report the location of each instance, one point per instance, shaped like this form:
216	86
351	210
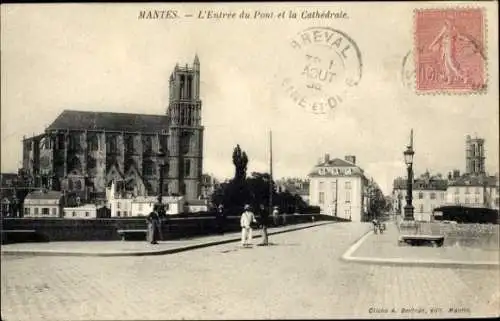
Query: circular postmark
408	72
326	63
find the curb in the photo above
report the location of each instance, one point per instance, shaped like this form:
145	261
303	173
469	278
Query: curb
347	256
150	253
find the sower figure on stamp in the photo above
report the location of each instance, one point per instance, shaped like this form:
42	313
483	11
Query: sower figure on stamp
264	222
447	40
153	221
246	220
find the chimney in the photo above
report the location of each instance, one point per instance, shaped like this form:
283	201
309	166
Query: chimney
327	158
351	159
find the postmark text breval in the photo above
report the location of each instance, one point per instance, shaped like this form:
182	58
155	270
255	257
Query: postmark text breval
327	63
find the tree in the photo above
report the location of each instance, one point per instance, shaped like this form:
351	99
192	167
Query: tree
240	161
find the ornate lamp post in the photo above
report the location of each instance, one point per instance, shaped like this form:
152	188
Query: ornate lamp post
408	154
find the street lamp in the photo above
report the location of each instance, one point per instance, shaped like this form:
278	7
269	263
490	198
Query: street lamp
408	154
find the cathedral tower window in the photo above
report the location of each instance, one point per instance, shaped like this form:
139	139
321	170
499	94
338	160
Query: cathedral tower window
187	167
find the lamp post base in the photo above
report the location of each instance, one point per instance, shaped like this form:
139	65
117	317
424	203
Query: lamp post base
408	213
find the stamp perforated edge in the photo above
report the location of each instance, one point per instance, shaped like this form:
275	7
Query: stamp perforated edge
446	92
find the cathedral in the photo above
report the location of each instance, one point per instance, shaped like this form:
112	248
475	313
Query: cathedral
82	152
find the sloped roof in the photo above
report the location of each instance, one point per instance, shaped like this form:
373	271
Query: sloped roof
81	120
473	180
336	162
44	195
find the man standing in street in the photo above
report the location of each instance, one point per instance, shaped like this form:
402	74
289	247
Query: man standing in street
275	216
153	221
264	218
246	220
221	218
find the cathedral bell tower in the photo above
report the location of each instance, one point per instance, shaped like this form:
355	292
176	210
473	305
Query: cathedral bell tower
186	132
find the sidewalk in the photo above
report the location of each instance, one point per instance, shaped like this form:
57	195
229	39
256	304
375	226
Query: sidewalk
139	248
384	249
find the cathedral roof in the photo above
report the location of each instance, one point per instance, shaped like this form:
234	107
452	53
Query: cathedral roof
91	120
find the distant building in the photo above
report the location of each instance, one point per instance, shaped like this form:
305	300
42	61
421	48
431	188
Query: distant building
43	203
338	187
8	198
88	211
475	188
208	185
295	186
83	151
127	205
474	156
474	191
429	192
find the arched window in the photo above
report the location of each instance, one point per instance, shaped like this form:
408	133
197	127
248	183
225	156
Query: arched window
74	164
92	142
111	144
129	144
148	168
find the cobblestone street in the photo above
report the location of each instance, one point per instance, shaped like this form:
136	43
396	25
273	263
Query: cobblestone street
299	276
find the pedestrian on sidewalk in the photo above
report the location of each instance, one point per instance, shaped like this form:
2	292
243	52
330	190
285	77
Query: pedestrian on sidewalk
264	218
153	220
275	216
220	217
246	220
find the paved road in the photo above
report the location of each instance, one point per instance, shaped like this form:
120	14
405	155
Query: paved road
301	276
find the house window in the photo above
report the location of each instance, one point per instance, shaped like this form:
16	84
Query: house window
321	197
118	213
433	195
457	190
457	200
36	211
141	207
477	190
320	186
421	208
467	190
87	214
54	211
78	185
26	211
466	200
347	185
118	205
347	212
420	195
74	213
348	197
476	200
124	213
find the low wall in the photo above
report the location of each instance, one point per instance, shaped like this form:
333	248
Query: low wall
104	229
484	236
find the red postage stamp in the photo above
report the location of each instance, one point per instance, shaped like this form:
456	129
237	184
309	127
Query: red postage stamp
449	50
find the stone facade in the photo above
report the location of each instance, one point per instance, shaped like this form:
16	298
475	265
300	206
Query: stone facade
83	152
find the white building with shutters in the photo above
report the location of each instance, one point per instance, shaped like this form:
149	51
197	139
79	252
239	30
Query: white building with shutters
338	187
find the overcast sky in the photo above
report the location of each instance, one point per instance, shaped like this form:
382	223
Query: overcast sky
103	58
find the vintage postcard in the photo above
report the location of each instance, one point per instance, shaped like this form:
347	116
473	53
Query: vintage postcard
273	160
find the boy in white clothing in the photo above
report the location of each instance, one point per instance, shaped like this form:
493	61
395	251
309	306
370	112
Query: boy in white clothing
247	218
